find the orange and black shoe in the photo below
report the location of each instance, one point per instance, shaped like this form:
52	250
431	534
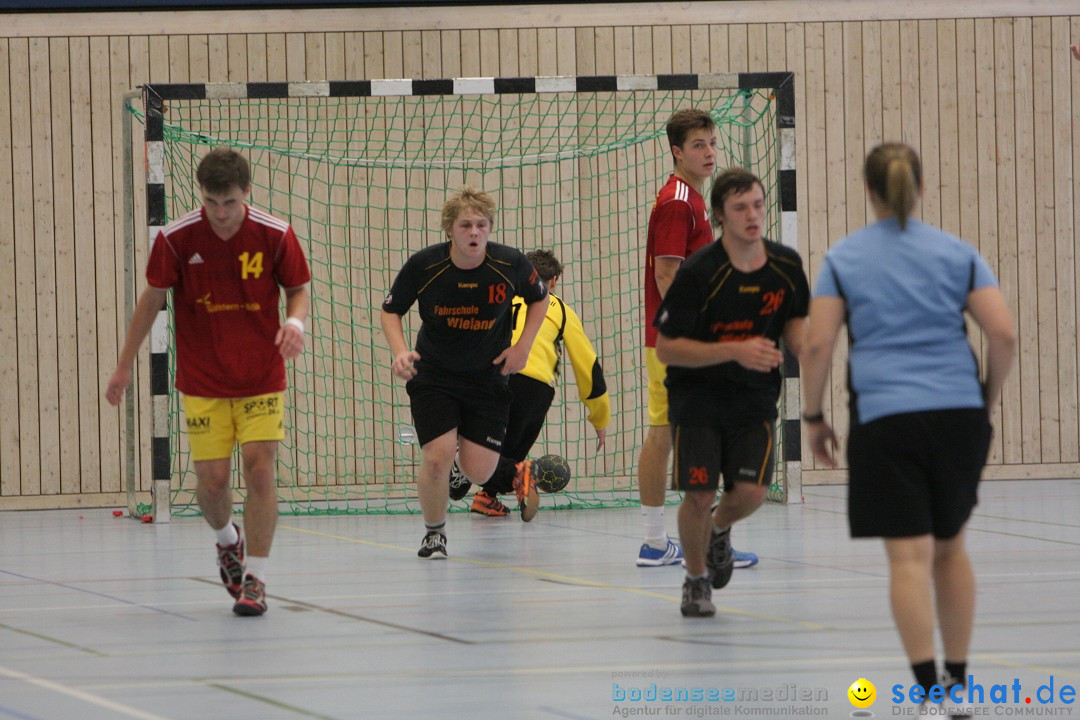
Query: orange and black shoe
252	600
525	489
490	505
230	561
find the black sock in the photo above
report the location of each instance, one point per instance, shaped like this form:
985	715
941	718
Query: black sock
925	675
439	527
501	481
955	673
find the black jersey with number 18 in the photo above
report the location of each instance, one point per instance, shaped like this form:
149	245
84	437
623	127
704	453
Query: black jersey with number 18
710	300
464	314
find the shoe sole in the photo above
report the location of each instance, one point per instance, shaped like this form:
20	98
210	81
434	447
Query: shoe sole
432	556
531	506
658	563
245	610
488	514
694	612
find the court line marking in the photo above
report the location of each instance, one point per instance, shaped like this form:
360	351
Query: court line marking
56	641
352	616
95	594
566	579
270	701
80	695
8	712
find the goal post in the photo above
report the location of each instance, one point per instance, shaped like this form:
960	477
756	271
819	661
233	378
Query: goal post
361	169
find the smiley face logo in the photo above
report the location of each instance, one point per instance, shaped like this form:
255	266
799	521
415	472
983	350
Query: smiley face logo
862	693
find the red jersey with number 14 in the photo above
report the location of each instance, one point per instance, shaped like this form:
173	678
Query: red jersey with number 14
678	227
226	298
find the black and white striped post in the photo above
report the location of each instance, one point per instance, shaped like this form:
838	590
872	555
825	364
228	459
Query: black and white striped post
161	457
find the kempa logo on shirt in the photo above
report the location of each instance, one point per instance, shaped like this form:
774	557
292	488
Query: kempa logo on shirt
196	259
493	441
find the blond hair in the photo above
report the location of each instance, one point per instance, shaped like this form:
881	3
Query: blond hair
893	173
467	198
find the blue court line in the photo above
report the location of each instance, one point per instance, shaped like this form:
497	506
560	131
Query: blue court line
7	712
96	594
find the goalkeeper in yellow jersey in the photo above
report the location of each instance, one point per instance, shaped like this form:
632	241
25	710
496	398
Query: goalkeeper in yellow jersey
533	389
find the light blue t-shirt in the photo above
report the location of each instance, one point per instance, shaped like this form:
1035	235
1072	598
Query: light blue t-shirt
905	292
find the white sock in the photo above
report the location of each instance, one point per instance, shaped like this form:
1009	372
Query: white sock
653	520
227	535
256	566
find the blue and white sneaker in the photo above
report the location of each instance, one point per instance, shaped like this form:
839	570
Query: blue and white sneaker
649	556
742	559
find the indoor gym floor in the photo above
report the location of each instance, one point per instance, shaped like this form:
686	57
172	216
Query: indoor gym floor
104	617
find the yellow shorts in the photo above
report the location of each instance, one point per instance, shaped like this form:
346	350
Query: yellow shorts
216	425
658	405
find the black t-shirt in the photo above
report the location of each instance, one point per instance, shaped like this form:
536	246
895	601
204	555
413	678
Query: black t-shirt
465	314
710	300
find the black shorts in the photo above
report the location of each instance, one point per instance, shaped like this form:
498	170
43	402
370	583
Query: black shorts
916	473
441	403
740	452
528	410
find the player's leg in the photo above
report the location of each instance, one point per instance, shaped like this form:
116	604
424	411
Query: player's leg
260	427
212	437
530	401
962	444
910	596
954	588
656	549
436	457
436	409
696	472
260	521
260	508
748	466
889	496
484	421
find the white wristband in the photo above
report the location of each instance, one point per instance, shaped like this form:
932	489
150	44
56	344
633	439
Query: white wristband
297	323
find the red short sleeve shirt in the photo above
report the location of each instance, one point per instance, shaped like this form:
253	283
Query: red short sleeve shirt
226	297
678	227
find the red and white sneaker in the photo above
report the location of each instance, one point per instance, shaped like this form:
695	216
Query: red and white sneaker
230	560
252	600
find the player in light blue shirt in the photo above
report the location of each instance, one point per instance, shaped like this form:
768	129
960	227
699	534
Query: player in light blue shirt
920	426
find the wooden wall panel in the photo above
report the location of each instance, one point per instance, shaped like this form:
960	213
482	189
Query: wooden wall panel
67	340
30	466
44	268
990	103
1064	231
10	390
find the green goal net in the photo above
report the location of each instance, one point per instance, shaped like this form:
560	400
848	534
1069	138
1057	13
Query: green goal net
362	180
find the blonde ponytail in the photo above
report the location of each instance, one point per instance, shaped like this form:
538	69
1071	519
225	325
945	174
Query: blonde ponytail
894	173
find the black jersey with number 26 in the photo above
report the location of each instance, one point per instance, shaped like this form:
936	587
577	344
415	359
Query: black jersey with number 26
465	314
710	300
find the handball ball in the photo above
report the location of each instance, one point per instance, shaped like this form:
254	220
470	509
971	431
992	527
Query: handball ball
552	473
